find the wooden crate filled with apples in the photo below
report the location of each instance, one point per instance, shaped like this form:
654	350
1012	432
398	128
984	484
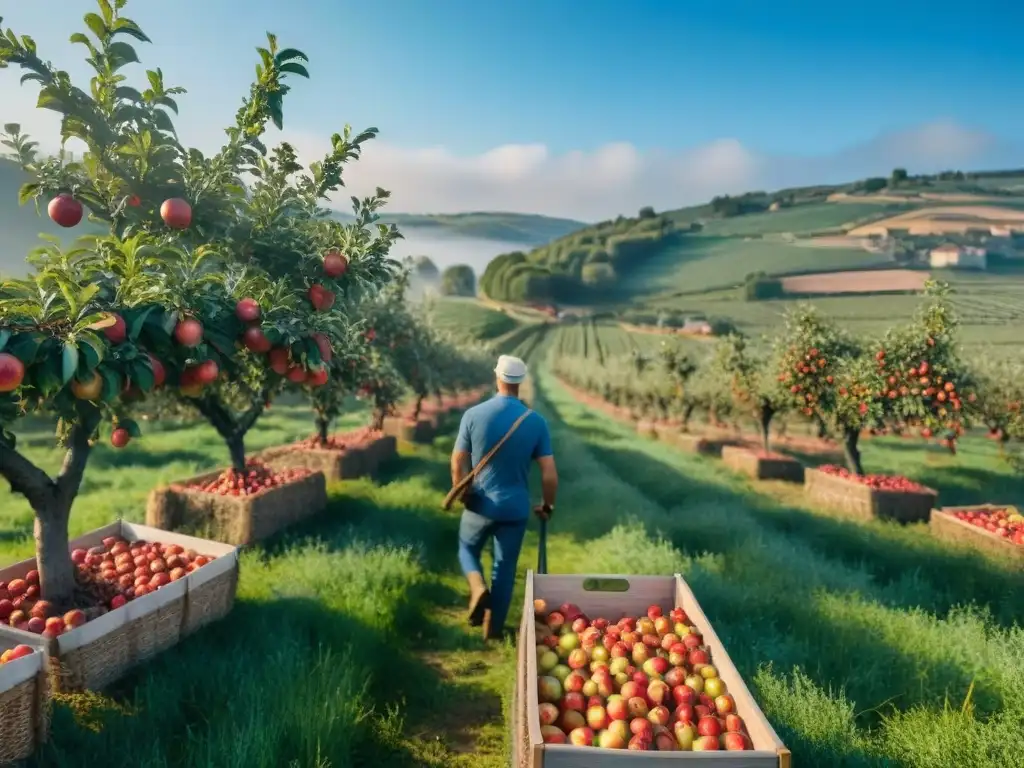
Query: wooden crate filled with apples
146	589
344	456
988	527
24	692
759	464
868	497
617	671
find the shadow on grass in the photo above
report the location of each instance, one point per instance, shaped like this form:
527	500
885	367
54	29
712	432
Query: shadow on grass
114	459
886	551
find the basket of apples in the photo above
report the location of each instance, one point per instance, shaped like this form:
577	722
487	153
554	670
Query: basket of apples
613	668
24	711
238	507
139	591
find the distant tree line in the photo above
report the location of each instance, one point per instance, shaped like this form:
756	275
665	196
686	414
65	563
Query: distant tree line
578	266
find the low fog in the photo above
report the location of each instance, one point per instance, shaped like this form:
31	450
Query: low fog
446	251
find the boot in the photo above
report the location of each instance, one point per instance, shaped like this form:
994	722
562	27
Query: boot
479	599
491	632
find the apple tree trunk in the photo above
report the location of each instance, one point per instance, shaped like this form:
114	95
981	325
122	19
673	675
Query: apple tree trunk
418	407
851	450
764	420
377	421
51	501
687	415
323	426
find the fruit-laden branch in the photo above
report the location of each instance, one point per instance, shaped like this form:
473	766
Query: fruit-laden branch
43	493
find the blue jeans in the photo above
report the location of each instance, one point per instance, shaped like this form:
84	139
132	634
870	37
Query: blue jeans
474	531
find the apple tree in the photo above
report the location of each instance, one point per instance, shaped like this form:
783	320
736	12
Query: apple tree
746	373
198	281
1000	383
679	368
919	379
818	367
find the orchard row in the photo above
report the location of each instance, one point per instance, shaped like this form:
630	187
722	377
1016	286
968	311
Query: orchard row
913	381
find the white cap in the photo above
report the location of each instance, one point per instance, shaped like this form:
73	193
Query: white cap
510	370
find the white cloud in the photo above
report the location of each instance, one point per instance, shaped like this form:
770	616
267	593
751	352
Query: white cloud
600	183
618	178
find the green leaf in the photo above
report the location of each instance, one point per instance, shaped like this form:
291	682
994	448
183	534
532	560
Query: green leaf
5	336
124	53
69	361
129	27
97	26
25	346
111	384
295	69
142	375
49	375
90	354
289	54
135	326
131	426
27	192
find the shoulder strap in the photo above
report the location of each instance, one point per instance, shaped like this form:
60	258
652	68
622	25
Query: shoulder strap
490	454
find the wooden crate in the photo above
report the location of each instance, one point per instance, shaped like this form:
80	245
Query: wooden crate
948	528
865	503
237	520
772	467
101	651
614	597
24	699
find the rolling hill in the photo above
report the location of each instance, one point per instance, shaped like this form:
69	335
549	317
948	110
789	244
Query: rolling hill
21	225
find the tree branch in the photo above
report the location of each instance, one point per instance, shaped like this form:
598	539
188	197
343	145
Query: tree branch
69	480
249	418
216	414
25	478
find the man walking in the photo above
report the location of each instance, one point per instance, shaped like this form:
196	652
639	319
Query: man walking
498	502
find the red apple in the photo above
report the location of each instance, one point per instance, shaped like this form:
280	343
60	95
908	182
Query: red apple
12	372
176	213
64	210
188	332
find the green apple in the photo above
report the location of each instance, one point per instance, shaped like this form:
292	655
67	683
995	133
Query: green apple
547	661
714	687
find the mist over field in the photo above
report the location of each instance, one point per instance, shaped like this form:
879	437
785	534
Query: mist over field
447	250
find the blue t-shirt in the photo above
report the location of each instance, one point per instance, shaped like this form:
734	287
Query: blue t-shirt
503	485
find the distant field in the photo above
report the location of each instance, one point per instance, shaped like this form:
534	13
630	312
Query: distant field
991	309
945	219
467	317
799	219
871	281
704	262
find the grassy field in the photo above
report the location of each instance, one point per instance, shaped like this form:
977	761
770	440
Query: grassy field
991	308
866	645
704	262
801	219
469	317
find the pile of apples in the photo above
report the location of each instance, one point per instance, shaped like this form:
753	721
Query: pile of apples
256	478
1005	523
878	482
117	570
17	652
643	684
343	442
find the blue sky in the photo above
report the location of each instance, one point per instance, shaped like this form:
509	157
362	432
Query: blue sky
779	79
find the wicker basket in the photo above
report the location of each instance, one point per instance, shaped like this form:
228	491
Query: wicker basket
98	653
237	520
347	464
759	467
24	701
865	503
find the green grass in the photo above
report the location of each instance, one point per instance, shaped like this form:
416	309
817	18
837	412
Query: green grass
469	317
866	644
801	219
703	262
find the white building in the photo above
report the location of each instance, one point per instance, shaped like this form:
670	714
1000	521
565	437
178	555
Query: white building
951	256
